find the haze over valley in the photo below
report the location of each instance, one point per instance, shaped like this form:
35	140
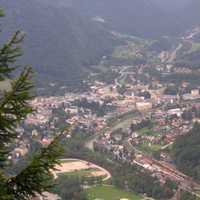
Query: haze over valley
112	109
59	32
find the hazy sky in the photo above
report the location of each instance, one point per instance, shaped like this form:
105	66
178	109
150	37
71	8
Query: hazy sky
172	4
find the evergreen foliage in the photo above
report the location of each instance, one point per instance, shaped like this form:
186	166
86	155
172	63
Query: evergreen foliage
186	152
36	177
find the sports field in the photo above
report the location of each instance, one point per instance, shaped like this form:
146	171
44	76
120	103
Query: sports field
110	193
81	168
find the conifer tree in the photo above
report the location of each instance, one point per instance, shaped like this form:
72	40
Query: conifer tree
14	107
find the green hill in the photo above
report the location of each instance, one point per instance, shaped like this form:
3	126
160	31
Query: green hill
60	42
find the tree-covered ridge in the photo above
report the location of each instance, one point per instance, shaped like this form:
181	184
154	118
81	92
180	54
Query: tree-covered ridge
150	18
61	43
14	107
186	151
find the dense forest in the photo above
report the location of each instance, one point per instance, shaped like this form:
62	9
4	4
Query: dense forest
151	18
61	43
66	37
186	152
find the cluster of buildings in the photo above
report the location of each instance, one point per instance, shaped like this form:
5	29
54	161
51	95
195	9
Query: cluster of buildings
52	114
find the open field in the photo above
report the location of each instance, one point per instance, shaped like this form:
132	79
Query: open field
110	193
195	47
147	131
81	168
149	148
85	173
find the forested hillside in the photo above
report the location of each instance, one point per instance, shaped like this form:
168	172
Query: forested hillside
63	39
136	17
186	152
190	14
60	43
150	18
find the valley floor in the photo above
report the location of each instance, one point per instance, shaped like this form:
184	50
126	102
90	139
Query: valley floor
106	192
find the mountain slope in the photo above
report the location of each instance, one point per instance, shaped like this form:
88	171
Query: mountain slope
143	18
63	40
172	5
191	14
60	43
137	17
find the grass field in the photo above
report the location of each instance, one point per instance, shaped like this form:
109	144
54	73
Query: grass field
147	131
195	47
110	193
149	149
82	172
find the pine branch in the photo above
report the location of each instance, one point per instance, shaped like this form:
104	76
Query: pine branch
14	107
37	176
4	192
9	54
